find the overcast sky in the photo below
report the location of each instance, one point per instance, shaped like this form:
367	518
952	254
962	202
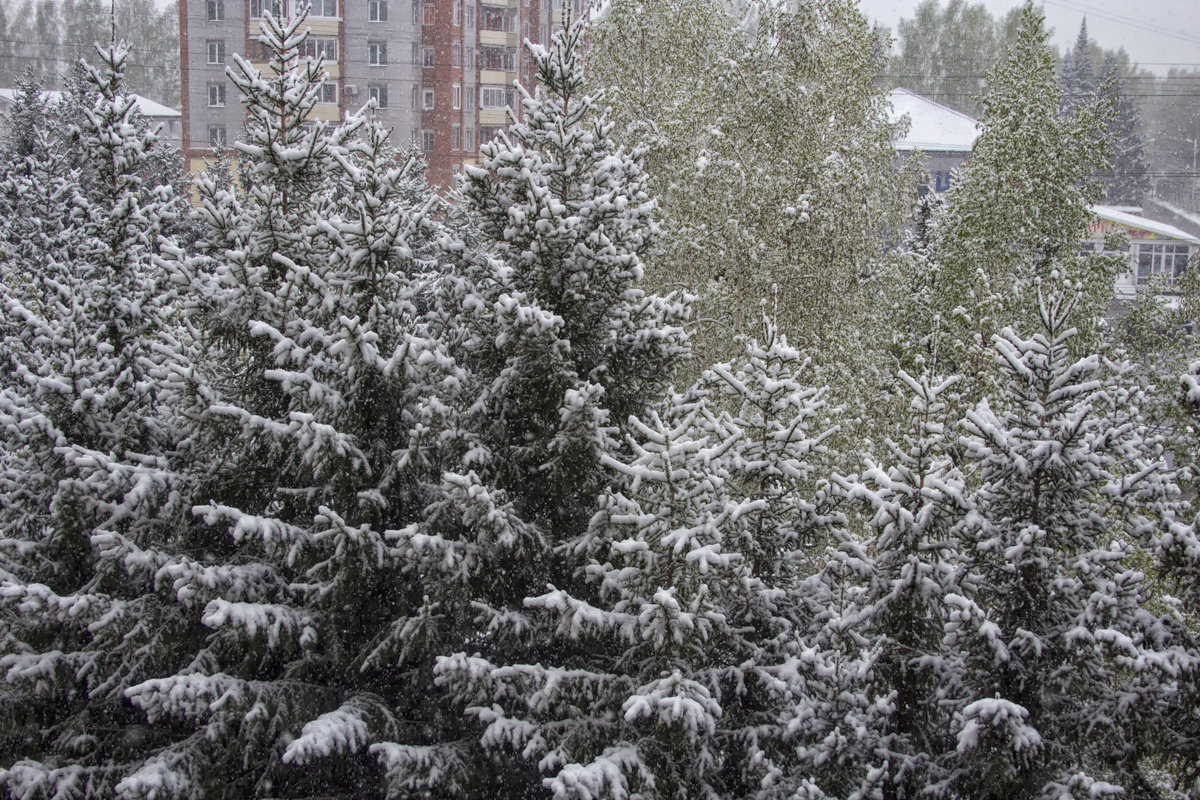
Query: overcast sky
1157	34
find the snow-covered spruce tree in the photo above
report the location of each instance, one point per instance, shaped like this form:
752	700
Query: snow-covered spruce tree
286	164
1020	207
1061	654
668	664
1177	734
914	303
916	501
59	116
699	552
1127	180
310	414
25	118
85	341
562	347
1078	80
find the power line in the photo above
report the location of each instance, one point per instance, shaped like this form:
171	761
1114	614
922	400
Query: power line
1099	13
131	48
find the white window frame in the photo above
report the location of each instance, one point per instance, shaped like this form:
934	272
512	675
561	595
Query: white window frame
216	51
1160	261
377	11
456	97
378	93
275	8
427	140
469	143
322	47
216	95
456	54
377	54
329	94
492	98
456	137
458	13
428	99
428	57
215	10
217	138
416	96
323	9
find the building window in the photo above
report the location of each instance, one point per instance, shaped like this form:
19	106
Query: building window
416	54
428	101
456	54
329	93
457	12
1163	261
429	57
377	54
471	16
499	58
428	13
427	141
496	19
416	12
470	97
216	10
261	8
377	10
456	138
470	58
492	98
456	97
324	8
324	48
470	142
216	137
216	95
379	95
216	51
416	96
487	133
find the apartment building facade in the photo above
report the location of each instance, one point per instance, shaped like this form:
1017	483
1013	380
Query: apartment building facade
441	71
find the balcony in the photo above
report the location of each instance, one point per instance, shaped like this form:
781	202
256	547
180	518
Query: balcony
492	117
497	77
498	38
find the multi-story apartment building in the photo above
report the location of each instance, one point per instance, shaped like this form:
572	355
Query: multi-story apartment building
441	71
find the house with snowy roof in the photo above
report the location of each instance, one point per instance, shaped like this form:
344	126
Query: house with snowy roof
942	136
1158	252
169	120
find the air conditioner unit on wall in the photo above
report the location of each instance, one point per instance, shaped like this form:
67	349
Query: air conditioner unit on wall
351	90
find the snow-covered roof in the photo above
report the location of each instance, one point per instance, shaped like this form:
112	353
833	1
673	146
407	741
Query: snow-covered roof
1159	229
148	107
933	127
